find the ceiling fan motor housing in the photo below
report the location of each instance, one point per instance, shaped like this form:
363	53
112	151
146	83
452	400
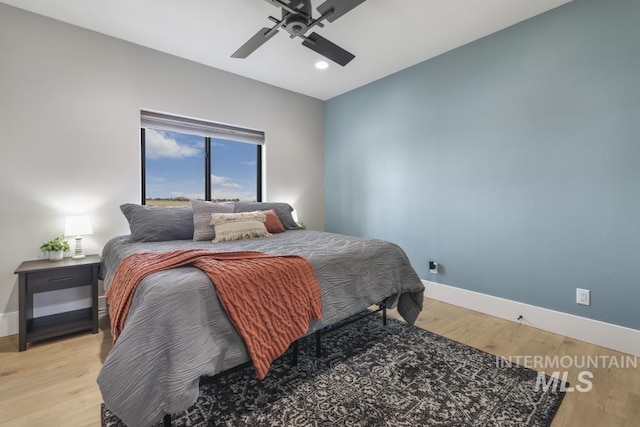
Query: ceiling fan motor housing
296	25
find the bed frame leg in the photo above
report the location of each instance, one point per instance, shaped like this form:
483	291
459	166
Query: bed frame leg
381	307
318	345
294	357
167	420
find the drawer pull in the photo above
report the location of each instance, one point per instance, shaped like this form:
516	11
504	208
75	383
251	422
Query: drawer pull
61	279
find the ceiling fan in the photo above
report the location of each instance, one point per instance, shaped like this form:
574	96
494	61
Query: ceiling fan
297	19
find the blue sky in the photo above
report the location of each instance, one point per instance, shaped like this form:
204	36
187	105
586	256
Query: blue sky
175	167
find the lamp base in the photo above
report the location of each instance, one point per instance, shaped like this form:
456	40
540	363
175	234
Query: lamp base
78	252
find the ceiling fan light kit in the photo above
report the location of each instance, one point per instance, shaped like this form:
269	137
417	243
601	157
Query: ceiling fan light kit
297	20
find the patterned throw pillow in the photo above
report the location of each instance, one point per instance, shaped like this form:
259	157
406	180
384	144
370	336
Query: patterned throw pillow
238	226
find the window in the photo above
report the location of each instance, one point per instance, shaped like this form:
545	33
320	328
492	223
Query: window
184	159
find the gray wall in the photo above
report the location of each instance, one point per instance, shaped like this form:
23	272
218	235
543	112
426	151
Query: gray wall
513	161
69	132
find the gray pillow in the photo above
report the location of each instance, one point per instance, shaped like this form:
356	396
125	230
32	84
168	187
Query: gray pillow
159	223
283	210
202	228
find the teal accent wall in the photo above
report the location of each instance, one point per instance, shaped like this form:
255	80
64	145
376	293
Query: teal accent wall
513	161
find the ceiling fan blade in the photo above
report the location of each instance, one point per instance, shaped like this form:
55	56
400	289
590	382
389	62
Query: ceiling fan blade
254	42
340	7
324	47
292	6
290	3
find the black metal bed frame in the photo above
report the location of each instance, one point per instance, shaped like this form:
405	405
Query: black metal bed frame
318	334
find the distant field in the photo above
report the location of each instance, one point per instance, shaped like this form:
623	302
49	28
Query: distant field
167	202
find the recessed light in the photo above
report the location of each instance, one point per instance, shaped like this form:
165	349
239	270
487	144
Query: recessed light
322	65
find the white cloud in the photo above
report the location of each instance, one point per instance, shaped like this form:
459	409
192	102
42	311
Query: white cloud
157	145
231	185
224	181
251	163
215	179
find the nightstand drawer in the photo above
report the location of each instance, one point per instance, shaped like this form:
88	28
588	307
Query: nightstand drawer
63	278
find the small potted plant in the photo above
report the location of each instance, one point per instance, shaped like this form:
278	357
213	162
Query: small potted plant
55	248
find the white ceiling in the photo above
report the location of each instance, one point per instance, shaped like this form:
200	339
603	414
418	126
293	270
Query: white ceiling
385	35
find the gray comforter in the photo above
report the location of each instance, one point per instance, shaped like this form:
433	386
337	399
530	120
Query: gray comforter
176	331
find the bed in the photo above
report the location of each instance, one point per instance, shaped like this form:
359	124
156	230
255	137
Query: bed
177	332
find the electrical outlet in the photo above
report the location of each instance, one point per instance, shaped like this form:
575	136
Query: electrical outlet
433	267
583	296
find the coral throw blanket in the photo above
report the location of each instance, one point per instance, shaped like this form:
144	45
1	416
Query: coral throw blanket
270	299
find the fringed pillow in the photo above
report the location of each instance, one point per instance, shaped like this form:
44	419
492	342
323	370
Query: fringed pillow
236	226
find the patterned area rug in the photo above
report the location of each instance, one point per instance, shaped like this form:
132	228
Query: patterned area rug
374	375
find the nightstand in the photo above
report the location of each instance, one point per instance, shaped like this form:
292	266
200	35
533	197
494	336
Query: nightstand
45	276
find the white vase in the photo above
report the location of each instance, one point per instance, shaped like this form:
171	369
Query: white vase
56	255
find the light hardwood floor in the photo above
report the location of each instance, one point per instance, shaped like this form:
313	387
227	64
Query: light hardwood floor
54	383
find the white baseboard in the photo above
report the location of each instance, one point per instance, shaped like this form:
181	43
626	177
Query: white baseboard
607	335
8	323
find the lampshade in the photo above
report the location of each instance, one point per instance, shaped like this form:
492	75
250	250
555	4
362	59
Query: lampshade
78	226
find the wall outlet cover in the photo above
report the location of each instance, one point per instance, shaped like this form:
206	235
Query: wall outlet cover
583	296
